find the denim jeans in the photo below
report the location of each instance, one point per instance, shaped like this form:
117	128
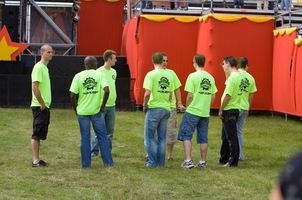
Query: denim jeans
229	151
109	115
285	5
238	3
240	124
98	124
189	124
145	4
155	144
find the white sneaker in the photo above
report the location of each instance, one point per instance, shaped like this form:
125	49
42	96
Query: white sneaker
188	164
201	165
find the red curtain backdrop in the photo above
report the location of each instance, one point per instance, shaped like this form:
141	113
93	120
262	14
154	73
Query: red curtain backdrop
176	39
236	38
129	48
283	72
100	26
297	62
182	40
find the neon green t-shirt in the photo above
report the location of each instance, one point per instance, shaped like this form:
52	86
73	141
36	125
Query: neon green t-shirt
88	84
248	86
177	84
160	82
232	88
40	74
111	78
202	85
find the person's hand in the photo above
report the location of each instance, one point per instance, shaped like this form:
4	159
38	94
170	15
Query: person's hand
181	108
42	107
220	114
145	109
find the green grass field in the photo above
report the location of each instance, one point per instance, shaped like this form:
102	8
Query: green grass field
269	142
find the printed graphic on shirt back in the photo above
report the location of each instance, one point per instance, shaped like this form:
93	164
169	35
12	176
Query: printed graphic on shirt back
163	84
89	84
205	86
244	85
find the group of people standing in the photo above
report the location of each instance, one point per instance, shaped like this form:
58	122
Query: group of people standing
162	97
93	97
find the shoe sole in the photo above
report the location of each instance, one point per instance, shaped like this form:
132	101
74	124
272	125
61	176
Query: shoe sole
188	167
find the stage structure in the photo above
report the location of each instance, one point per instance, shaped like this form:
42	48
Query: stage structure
35	23
213	31
55	23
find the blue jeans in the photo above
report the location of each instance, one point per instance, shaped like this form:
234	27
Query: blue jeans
285	4
98	124
188	125
240	124
238	3
155	144
109	115
145	4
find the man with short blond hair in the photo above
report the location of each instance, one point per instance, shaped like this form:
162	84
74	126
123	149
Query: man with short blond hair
109	58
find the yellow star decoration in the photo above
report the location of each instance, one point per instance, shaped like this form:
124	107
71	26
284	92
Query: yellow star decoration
9	50
6	50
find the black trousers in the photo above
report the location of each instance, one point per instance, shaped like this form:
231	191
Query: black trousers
229	151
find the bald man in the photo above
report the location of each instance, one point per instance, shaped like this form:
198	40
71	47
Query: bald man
88	101
40	103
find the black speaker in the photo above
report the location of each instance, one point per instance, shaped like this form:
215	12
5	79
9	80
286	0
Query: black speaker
10	67
10	18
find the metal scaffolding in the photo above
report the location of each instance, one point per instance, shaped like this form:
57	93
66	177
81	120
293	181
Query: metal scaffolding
69	45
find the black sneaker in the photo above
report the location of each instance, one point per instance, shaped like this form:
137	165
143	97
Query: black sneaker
41	163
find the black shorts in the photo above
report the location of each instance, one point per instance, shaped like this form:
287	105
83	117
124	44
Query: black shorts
40	123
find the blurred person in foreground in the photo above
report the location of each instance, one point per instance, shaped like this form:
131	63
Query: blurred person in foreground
289	185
